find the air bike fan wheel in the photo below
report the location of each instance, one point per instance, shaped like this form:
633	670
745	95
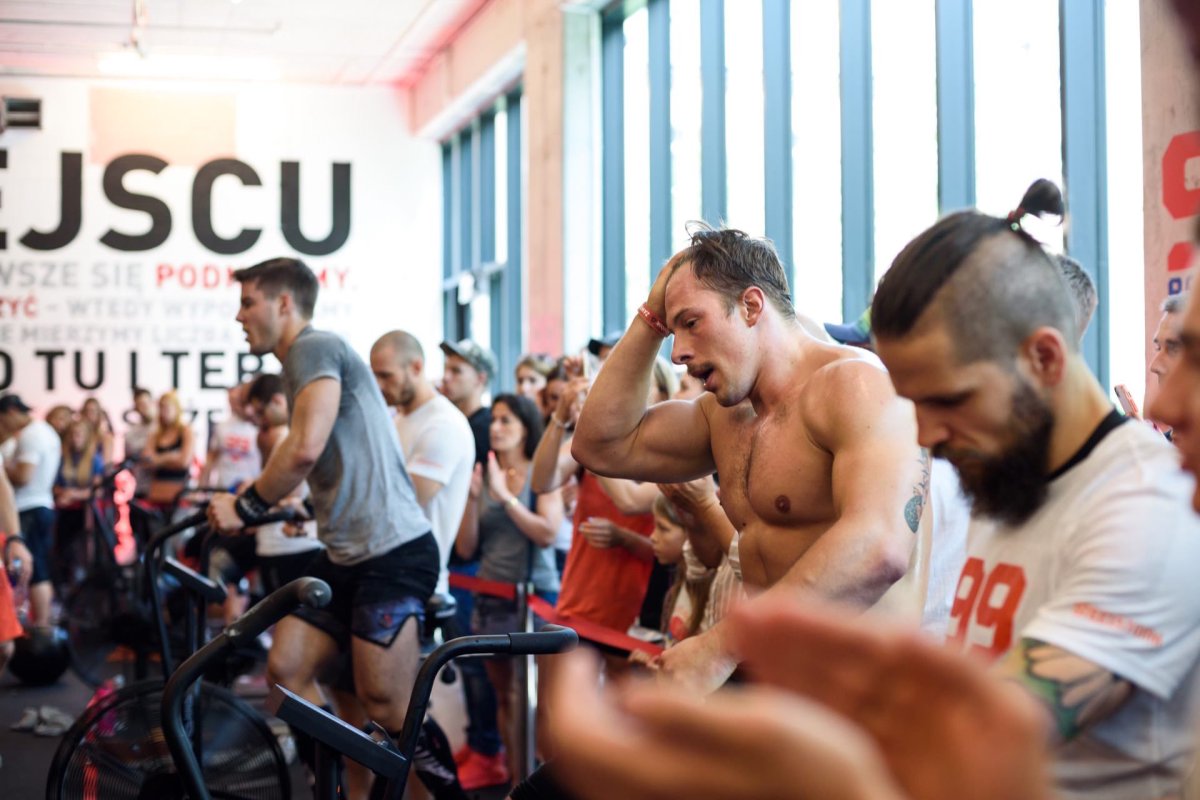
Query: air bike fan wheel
116	750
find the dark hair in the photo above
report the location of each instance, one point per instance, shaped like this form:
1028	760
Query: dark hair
990	282
530	415
264	387
729	262
284	274
1082	288
138	391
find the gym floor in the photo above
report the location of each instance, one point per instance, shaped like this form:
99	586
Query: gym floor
25	758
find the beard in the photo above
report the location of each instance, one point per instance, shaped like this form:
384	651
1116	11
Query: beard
1009	487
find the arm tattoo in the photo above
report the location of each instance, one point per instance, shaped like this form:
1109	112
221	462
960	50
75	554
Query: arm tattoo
916	504
1074	690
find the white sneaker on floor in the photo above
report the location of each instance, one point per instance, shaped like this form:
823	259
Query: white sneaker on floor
28	721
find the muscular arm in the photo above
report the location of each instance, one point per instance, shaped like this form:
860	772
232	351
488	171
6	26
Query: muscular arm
880	483
1074	692
853	412
313	413
619	435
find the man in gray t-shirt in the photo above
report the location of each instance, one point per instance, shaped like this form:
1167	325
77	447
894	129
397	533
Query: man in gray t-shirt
380	558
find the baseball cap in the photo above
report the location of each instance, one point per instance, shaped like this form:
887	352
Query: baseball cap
473	353
857	332
610	340
11	402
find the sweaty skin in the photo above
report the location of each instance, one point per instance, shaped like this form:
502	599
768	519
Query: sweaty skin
816	455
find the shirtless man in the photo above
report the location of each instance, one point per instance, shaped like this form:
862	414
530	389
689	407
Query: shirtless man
820	471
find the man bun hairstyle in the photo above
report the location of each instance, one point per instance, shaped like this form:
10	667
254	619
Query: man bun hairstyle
729	262
1042	197
276	275
985	278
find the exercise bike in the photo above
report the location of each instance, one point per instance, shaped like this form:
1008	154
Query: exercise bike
116	748
390	763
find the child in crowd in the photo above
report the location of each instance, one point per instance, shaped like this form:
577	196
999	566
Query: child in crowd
687	598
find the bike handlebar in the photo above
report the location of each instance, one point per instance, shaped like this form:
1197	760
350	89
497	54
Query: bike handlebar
549	640
312	592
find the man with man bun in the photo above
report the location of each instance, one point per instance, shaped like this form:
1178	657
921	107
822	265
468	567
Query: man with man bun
1078	585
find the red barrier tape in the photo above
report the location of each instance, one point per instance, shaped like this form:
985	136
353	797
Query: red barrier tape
591	631
505	591
586	630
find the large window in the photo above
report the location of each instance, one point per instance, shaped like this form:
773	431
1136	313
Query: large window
904	111
816	160
744	117
482	252
686	101
637	160
842	128
1018	104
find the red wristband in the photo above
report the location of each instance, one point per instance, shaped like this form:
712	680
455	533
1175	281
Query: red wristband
651	319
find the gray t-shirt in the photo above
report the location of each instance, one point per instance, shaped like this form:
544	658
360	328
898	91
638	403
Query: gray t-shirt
364	500
505	553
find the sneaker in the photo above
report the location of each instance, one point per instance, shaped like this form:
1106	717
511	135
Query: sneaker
56	716
50	729
480	771
28	721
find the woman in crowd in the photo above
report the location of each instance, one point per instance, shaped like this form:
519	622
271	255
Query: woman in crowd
102	428
512	530
168	454
60	418
533	370
82	463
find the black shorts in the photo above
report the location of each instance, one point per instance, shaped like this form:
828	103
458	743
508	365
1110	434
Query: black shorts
373	599
231	558
277	571
37	529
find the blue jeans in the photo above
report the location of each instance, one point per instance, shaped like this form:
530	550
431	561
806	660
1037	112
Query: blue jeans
483	732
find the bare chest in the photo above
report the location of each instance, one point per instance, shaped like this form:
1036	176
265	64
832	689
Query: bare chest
771	472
